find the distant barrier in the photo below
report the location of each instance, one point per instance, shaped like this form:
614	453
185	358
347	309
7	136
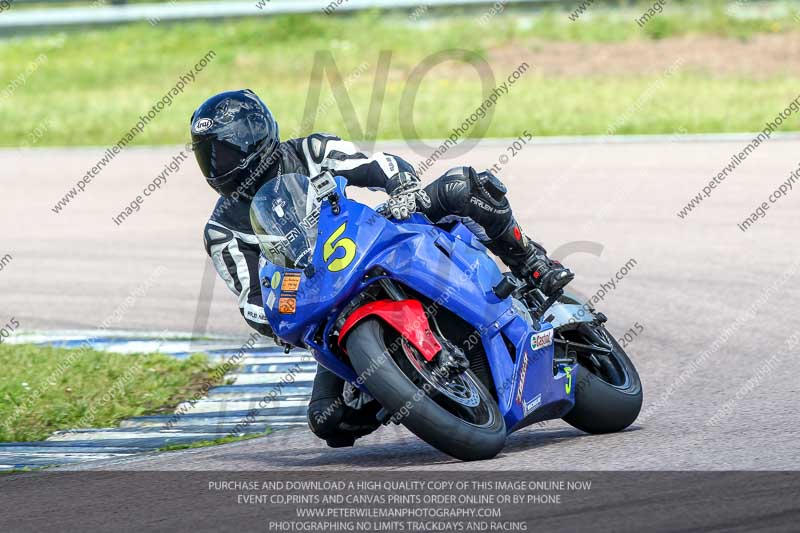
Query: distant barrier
120	11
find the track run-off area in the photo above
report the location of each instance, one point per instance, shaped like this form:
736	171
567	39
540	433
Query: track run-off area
716	304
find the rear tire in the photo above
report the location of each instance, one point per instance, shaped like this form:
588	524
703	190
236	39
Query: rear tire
601	407
387	383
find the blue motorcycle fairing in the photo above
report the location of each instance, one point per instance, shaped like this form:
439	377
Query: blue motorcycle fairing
451	268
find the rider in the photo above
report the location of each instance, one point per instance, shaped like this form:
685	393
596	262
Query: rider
235	140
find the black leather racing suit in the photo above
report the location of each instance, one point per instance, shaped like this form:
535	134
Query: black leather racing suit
478	200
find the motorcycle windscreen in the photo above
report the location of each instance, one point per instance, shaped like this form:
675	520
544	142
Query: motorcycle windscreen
285	215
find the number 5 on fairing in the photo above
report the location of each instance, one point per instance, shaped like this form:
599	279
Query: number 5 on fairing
331	246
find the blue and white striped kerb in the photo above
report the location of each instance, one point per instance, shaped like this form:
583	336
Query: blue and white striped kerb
224	409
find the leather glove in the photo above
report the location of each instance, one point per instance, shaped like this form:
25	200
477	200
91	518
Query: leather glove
405	193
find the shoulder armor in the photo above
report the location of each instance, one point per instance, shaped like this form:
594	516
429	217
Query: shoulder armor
316	145
214	235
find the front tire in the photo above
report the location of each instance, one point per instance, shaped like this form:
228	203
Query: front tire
422	415
609	398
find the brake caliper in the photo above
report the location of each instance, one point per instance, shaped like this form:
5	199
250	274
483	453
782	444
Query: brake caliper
452	360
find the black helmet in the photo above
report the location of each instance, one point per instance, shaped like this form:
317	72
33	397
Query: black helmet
234	138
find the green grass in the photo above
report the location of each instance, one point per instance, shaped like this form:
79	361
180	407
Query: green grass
47	389
707	17
26	470
96	83
215	442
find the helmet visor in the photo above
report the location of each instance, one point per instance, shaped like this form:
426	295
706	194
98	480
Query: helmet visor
232	146
217	158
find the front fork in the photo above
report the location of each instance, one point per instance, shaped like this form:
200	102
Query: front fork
451	360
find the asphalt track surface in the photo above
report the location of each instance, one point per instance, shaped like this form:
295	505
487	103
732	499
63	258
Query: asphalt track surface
693	278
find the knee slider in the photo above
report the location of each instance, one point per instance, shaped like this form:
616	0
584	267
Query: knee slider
492	185
456	190
460	172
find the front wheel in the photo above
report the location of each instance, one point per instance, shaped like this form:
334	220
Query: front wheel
608	394
458	416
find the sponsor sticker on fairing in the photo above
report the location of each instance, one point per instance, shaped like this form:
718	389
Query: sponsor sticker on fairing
523	373
540	340
287	305
531	405
291	282
271	300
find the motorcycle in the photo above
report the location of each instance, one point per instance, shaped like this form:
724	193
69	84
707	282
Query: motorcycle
419	318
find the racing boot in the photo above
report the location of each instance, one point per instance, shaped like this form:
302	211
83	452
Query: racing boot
528	260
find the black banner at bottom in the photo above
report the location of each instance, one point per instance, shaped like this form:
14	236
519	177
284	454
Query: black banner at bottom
409	501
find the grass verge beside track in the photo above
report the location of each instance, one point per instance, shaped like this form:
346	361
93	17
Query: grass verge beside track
46	389
215	442
89	87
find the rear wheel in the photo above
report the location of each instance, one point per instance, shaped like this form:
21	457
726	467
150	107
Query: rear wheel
608	391
456	415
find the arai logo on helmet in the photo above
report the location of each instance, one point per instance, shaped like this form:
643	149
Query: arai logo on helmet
540	340
202	125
